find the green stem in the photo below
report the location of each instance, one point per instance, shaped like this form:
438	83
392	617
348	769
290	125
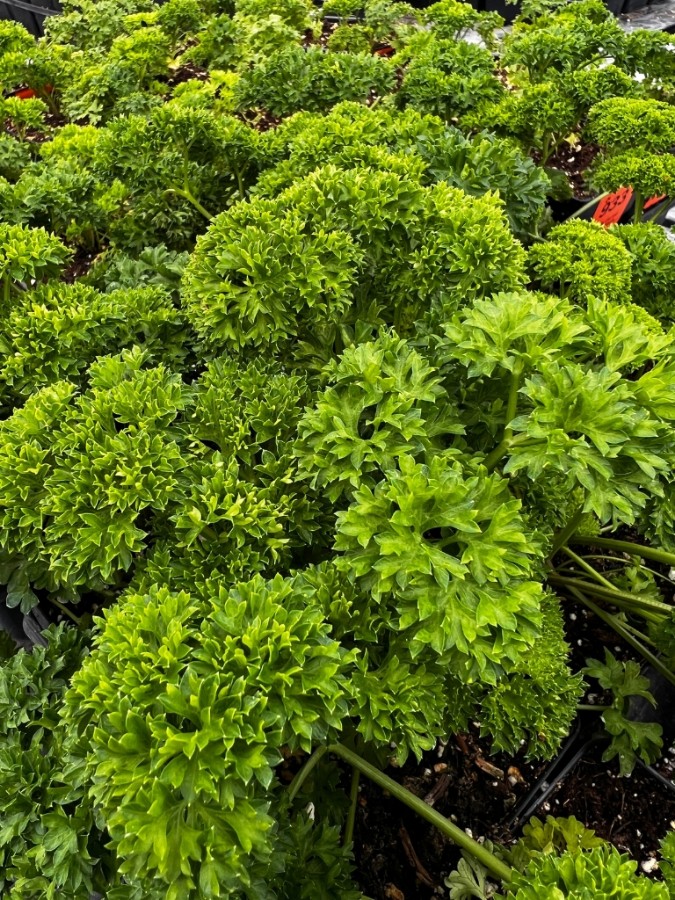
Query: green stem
638	634
545	150
502	448
240	184
353	801
624	562
305	771
493	458
587	568
622	598
187	193
66	612
591	203
190	197
639	207
566	533
6	289
637	645
614	559
48	97
461	838
631	549
588	707
512	403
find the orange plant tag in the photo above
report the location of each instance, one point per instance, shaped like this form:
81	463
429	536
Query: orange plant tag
654	200
610	209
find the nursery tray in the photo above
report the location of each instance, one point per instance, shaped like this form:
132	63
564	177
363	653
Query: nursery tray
31	15
658	16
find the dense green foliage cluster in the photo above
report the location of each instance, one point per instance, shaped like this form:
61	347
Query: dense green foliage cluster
309	418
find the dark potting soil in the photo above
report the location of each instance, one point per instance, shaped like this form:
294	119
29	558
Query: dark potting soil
260	119
186	72
633	812
80	265
575	162
400	857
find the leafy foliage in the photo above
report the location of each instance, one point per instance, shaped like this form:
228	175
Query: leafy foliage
621	123
562	858
27	255
630	738
53	845
294	78
246	672
104	475
280	410
652	269
652	127
599	873
537	703
408	143
583	260
355	235
58	330
447	77
668	858
169	164
564	41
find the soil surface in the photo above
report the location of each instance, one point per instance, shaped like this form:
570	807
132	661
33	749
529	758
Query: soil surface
80	265
634	812
400	857
575	161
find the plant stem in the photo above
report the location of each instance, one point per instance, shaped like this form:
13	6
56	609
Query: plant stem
240	184
187	193
638	634
545	150
461	838
66	612
502	447
587	206
614	623
48	97
6	288
512	403
639	207
190	197
495	455
567	531
305	771
587	568
353	801
621	598
631	549
588	707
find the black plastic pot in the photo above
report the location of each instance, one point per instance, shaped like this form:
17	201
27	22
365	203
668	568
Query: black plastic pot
31	15
508	11
630	6
563	209
658	212
587	734
25	631
581	739
600	209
